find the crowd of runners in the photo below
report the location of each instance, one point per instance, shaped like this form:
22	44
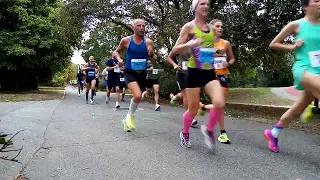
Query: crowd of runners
201	59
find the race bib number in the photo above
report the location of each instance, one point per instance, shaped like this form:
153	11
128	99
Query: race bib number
121	79
91	73
138	64
155	71
314	58
207	55
218	62
117	70
185	65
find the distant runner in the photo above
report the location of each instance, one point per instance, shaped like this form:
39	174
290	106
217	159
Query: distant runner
152	83
91	69
80	78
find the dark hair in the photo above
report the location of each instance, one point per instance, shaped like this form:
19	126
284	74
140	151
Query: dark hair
304	2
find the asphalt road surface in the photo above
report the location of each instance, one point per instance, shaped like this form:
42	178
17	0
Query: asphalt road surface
70	140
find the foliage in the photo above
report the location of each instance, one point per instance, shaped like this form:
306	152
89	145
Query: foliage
103	41
248	25
60	78
31	37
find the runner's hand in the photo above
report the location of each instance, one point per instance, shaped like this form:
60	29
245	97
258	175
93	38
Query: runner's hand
120	62
194	42
220	52
297	45
177	68
225	64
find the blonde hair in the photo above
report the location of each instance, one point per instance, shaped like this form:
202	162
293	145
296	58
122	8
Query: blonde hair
91	57
214	21
194	5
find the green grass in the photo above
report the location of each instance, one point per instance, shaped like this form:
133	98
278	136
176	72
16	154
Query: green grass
256	96
29	96
43	88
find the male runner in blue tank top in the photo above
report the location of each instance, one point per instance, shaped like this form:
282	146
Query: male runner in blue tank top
138	48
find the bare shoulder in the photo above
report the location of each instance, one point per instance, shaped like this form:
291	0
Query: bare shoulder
125	39
293	26
149	41
226	42
187	28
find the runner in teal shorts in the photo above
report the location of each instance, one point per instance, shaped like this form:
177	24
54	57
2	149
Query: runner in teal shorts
306	69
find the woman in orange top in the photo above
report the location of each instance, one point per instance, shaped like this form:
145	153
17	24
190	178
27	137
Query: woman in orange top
222	61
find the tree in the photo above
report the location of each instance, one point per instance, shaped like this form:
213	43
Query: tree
32	43
248	25
103	41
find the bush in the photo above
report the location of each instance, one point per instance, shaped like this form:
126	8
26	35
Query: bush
168	84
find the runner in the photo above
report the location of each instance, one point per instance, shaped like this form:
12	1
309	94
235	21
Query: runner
113	79
221	68
97	81
306	69
200	72
91	69
80	77
123	85
105	74
138	48
181	76
152	83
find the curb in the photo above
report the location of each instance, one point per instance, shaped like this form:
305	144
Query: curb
64	94
258	108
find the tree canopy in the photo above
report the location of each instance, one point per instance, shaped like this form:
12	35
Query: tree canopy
32	38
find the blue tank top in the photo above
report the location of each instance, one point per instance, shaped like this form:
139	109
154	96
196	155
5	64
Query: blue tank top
136	56
308	55
91	72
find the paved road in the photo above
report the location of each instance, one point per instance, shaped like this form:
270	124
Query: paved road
63	140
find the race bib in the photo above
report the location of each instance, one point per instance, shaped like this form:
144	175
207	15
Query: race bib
121	79
218	62
155	71
138	64
207	55
314	57
91	73
106	78
185	65
117	70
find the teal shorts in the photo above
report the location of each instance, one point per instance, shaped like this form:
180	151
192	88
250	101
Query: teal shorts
298	72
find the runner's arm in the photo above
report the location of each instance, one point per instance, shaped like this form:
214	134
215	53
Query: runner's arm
277	42
230	53
121	47
150	47
84	67
172	62
181	45
104	72
109	65
150	66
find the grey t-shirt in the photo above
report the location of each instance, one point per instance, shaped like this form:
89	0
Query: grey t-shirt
154	74
183	61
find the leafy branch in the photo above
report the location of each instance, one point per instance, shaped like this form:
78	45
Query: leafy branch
6	145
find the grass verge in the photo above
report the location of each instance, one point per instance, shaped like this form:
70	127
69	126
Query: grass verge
46	88
256	96
30	96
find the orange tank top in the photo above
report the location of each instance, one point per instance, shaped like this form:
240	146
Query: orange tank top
218	64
